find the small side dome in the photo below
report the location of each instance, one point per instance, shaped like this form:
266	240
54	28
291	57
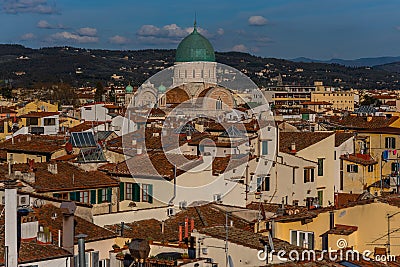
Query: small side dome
162	88
129	89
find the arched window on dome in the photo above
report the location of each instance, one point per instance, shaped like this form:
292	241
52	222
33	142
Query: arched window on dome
218	104
202	73
185	73
194	73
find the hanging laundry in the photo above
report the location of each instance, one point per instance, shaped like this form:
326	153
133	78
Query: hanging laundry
385	155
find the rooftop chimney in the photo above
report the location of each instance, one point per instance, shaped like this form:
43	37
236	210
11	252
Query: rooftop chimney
68	210
331	220
11	239
52	168
293	148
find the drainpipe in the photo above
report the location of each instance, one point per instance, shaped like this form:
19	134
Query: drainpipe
171	201
81	249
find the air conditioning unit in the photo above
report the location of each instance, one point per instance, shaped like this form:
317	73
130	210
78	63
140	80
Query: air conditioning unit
182	205
217	198
170	212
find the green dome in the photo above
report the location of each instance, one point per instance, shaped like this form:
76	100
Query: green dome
129	89
162	88
194	47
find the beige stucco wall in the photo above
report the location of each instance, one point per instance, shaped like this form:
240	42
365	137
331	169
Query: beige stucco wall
325	150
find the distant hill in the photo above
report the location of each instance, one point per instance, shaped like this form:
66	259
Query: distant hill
361	62
26	67
391	67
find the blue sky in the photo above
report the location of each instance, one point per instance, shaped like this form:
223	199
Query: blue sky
320	29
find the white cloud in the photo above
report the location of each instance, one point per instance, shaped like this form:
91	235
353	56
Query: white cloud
240	48
171	33
117	39
73	37
27	36
44	24
87	31
27	6
257	21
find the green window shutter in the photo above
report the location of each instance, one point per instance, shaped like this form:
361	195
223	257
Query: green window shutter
121	191
56	195
72	196
99	196
136	192
92	196
109	193
150	193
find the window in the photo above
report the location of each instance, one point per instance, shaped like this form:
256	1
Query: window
352	168
84	196
320	167
102	195
370	168
395	167
32	121
263	183
264	148
147	193
302	239
293	175
390	142
308	175
49	121
129	191
218	104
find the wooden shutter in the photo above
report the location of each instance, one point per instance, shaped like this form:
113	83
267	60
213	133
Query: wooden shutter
136	192
121	191
150	193
92	196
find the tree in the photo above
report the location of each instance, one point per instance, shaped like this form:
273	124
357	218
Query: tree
98	95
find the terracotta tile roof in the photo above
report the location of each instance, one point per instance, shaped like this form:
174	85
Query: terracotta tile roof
363	159
39	114
247	238
302	140
84	126
207	215
47	144
153	164
341	137
341	229
342	199
67	157
359	122
82	226
68	178
385	130
224	164
31	251
9	110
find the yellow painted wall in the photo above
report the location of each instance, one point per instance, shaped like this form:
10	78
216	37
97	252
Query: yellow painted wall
340	100
371	220
37	105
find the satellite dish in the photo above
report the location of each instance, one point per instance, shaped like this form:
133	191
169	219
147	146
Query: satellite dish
230	261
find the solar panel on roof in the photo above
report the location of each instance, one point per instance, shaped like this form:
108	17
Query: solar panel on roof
83	139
